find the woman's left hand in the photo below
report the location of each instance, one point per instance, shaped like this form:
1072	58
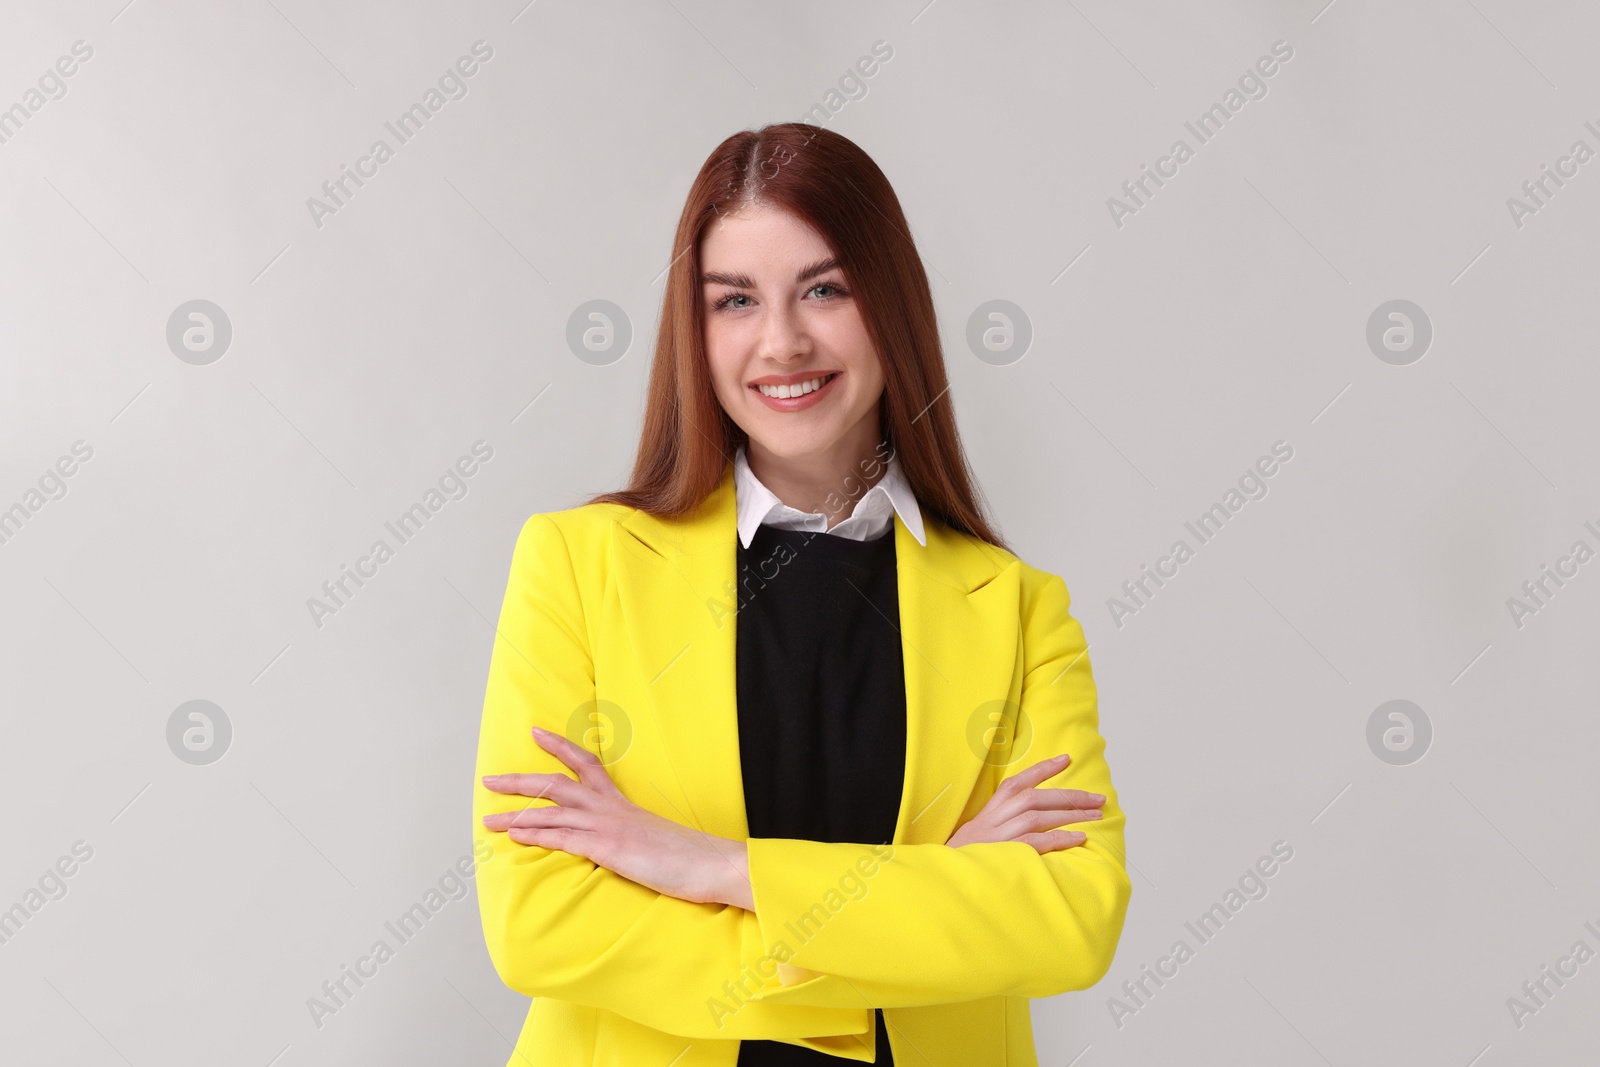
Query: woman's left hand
591	818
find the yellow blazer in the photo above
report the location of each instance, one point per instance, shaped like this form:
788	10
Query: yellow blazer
617	630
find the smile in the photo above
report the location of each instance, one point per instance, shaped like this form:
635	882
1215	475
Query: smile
797	395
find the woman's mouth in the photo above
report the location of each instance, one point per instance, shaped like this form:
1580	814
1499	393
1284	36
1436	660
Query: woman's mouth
797	395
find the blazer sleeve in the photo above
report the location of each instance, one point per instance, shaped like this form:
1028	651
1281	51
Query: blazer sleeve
556	924
936	924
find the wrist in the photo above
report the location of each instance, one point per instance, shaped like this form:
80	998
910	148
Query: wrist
733	875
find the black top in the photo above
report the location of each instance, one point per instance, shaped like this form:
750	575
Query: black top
822	704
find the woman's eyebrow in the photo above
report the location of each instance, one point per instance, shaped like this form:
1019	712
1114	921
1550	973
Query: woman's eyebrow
742	281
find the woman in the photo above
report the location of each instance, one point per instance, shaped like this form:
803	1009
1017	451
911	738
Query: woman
785	757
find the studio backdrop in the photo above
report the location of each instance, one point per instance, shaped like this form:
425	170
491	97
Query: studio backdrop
1269	326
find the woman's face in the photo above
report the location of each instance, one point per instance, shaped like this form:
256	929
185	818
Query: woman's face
778	311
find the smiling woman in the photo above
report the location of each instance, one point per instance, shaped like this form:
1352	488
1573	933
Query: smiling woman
786	344
825	792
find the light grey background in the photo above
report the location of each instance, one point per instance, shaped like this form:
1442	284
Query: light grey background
1168	354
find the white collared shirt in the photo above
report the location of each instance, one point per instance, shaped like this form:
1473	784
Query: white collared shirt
873	514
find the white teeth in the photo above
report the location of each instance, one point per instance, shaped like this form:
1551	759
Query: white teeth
783	392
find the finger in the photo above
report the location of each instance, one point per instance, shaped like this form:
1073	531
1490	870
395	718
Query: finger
1032	776
1040	797
1070	798
556	787
1055	840
547	816
1034	821
559	838
591	772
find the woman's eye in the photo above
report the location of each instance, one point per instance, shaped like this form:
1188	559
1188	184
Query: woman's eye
829	292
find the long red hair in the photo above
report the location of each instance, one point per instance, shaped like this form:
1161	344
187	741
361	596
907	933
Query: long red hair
824	178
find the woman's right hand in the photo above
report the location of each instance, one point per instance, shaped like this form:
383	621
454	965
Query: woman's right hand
1019	811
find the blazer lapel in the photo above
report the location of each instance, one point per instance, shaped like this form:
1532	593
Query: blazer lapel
676	594
960	634
676	591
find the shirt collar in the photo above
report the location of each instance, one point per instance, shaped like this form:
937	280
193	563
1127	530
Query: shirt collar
756	503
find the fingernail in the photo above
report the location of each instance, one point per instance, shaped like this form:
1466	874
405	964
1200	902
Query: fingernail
490	779
1098	815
